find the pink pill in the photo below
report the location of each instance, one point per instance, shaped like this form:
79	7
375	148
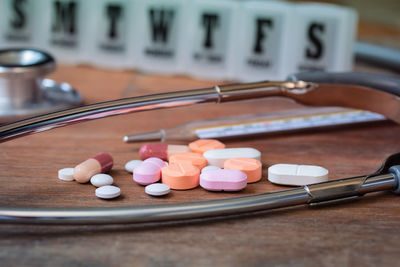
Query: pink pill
149	171
223	180
159	162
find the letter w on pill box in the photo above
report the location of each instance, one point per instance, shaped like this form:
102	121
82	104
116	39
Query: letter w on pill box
161	37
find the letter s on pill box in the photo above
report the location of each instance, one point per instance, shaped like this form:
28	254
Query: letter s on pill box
296	175
324	37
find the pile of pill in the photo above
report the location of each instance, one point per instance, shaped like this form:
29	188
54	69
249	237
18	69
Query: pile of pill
204	162
208	163
199	163
94	170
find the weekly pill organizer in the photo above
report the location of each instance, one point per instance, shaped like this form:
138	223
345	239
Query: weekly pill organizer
201	38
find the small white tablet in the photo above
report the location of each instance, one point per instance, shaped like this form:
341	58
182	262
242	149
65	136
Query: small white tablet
101	179
66	174
108	192
131	165
157	189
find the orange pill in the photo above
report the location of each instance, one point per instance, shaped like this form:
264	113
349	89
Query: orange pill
189	157
180	175
203	145
251	167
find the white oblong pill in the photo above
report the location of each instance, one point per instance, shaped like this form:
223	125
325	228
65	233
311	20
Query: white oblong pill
101	179
210	168
66	174
108	192
131	165
217	157
157	189
297	175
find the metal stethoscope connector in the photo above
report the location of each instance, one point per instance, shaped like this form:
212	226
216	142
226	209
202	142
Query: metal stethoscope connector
23	90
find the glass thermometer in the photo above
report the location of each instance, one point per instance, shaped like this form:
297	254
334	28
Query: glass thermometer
259	124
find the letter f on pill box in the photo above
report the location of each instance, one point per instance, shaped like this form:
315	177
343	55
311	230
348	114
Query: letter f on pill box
266	40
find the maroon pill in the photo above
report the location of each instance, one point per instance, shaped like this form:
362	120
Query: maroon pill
161	150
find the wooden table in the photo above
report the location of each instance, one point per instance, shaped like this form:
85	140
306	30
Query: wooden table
361	232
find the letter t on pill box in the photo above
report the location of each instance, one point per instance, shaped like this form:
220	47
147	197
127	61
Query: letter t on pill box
324	37
108	46
211	40
264	40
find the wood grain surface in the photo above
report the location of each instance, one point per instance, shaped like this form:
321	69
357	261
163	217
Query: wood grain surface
361	232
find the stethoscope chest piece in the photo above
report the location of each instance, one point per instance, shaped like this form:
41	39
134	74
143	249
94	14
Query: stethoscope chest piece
23	90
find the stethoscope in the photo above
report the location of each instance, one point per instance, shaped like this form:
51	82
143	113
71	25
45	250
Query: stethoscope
380	94
23	89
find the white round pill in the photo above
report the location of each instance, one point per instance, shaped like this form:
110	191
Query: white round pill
157	189
66	174
101	179
209	168
131	165
108	192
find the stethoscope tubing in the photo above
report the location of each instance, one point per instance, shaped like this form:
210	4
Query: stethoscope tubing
309	194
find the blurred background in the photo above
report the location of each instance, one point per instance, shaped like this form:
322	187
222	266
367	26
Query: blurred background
195	42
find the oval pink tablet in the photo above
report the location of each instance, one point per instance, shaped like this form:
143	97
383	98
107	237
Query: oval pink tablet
159	162
149	171
223	180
